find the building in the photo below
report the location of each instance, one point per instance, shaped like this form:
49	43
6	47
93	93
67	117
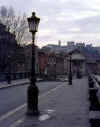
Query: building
85	58
60	64
51	65
7	49
42	64
78	63
70	43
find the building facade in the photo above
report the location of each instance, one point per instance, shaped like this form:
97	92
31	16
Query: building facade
8	46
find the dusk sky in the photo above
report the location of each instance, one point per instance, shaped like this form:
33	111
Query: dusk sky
65	20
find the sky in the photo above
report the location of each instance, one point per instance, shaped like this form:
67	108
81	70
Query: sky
65	20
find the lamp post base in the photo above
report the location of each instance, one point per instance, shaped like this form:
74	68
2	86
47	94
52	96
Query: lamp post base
32	100
70	80
32	113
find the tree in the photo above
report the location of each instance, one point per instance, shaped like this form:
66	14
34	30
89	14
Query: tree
17	25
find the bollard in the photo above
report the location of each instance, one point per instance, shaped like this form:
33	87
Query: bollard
94	103
95	122
91	84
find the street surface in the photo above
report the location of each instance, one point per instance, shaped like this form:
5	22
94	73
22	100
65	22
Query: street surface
61	105
13	97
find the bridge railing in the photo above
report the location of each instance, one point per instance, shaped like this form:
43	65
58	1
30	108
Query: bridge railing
94	92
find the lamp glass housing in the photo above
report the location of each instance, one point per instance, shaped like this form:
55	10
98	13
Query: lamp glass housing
33	23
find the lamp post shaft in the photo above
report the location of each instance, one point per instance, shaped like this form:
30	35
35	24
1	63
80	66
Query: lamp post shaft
70	71
9	71
33	75
70	65
33	91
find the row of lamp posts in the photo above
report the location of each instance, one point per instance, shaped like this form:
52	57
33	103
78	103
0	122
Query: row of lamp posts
33	91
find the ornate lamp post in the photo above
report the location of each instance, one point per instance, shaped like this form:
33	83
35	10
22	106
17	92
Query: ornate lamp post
70	70
33	91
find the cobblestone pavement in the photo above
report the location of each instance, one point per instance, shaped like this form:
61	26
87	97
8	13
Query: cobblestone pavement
65	106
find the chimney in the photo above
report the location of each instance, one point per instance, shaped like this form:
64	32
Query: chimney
59	43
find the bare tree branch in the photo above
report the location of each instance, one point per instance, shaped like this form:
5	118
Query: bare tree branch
14	24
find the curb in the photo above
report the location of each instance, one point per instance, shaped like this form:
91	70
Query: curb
24	83
7	86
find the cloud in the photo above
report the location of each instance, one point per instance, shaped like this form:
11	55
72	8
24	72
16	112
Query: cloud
63	19
46	32
74	29
89	24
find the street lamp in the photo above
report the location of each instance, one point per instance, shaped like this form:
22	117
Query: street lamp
33	91
9	70
70	70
